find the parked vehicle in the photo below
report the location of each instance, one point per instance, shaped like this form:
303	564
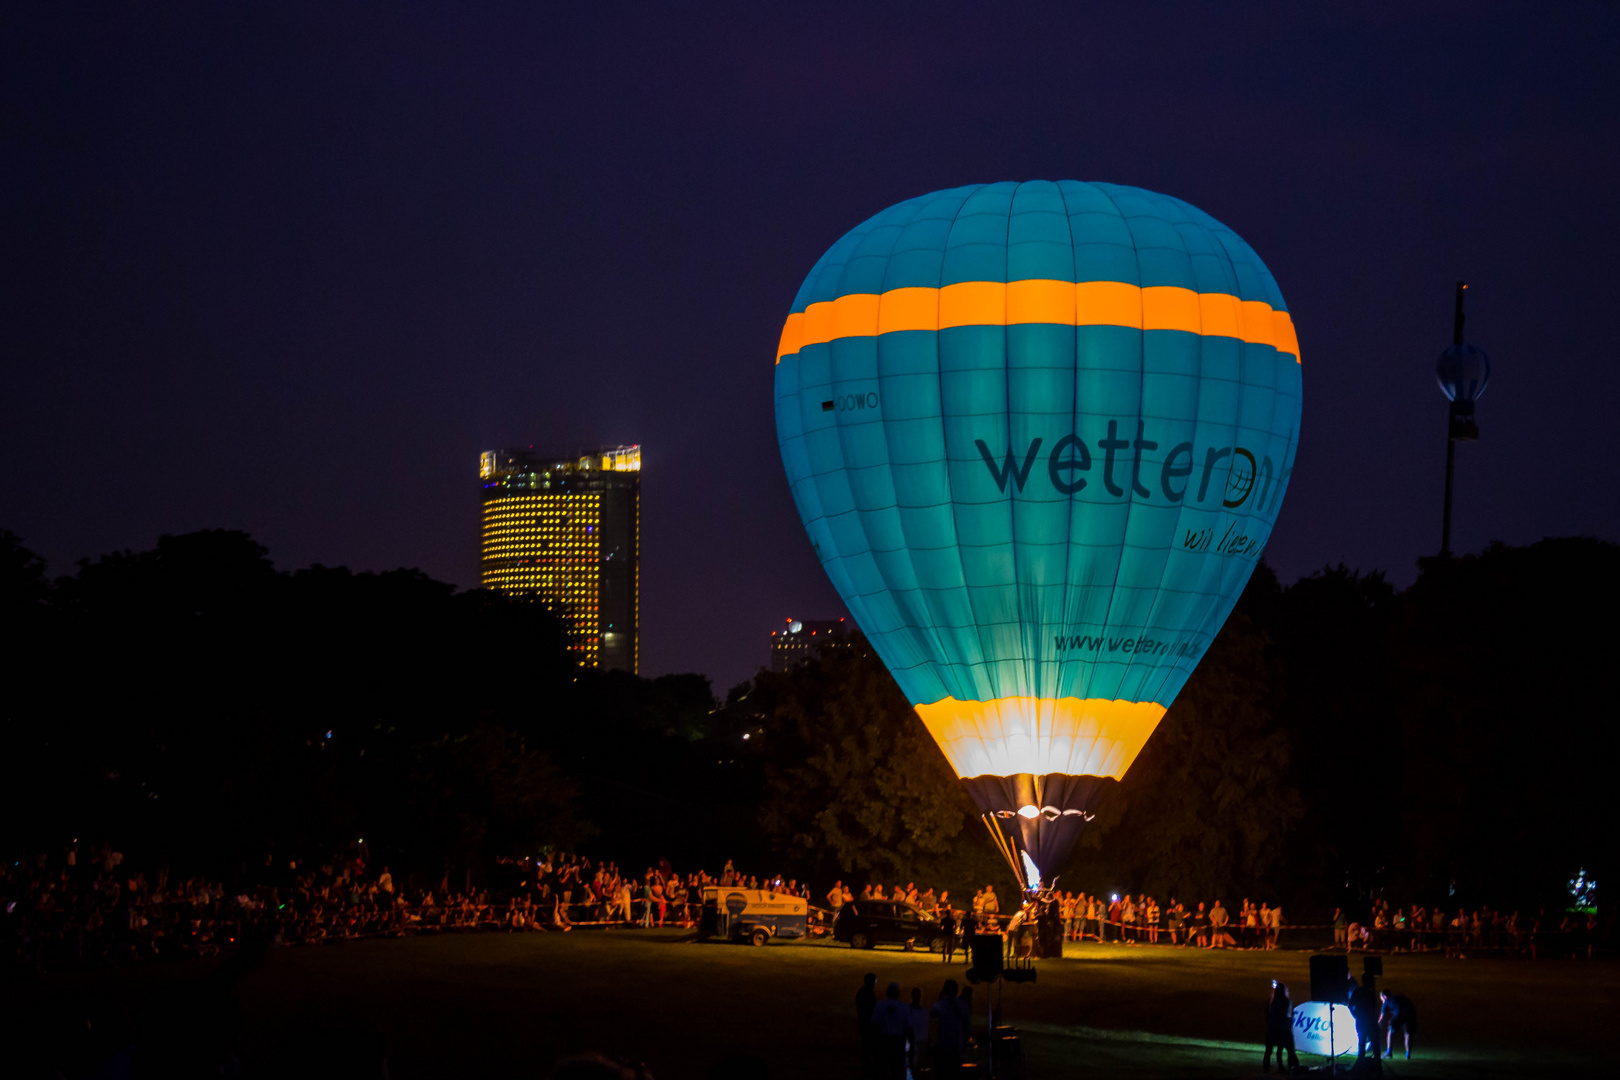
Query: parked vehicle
865	923
752	915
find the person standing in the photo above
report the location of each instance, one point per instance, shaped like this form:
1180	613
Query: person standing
1176	922
622	901
992	907
835	897
1217	927
970	926
1365	1008
647	902
891	1019
865	1003
916	1032
947	928
1279	1029
950	1031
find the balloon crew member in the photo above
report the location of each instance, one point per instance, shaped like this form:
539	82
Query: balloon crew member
1365	1008
1279	1029
1398	1015
947	925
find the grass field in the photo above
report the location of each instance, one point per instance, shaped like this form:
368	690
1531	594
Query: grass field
497	1005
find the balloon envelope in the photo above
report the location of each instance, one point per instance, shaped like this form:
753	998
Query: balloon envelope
1038	434
1462	372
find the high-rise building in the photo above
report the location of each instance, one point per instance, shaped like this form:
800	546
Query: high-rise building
799	640
566	531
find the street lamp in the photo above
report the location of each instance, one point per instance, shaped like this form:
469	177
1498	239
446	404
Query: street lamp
1462	372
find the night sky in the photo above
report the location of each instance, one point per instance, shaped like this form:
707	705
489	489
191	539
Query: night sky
290	270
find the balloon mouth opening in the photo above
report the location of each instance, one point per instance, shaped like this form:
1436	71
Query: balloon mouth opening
1029	812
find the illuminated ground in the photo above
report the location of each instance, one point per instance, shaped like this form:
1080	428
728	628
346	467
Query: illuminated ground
494	1005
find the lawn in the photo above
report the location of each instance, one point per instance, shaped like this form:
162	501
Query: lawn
498	1005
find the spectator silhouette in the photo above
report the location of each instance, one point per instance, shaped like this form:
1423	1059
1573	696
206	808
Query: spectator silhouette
1280	1029
891	1019
916	1031
950	1033
1365	1007
865	1002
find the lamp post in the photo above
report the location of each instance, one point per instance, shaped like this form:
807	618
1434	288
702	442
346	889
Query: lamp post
1462	372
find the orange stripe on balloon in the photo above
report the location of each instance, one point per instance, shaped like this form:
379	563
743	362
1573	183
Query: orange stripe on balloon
1165	307
1107	303
973	303
1012	735
909	309
1039	300
792	336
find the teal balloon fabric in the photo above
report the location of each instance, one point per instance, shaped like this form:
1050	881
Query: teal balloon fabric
1039	434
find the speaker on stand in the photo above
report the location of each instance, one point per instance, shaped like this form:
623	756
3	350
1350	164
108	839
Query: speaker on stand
1330	982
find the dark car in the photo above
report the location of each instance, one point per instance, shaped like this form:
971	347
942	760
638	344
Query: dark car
865	923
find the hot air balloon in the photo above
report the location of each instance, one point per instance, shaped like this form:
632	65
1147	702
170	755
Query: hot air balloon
1038	434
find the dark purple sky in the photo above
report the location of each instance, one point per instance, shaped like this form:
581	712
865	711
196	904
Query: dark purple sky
290	271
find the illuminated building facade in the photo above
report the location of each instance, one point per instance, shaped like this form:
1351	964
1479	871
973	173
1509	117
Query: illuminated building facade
798	640
567	531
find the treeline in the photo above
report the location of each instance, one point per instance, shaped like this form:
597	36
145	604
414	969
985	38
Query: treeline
196	706
1343	740
1340	740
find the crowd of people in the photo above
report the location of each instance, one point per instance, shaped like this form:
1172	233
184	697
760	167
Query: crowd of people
1140	920
86	907
898	1037
1485	930
1127	919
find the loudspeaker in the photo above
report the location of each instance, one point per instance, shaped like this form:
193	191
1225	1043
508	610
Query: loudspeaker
1330	978
985	950
1372	965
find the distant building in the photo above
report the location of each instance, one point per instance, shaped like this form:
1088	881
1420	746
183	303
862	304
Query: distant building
798	640
566	531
